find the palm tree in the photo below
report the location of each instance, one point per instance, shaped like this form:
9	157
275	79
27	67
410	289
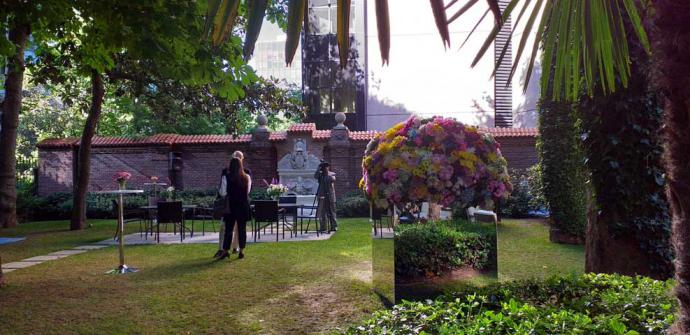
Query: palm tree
587	42
671	36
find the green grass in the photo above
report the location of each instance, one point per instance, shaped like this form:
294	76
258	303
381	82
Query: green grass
49	236
524	251
279	288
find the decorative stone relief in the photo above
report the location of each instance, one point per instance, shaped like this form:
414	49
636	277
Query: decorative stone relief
296	169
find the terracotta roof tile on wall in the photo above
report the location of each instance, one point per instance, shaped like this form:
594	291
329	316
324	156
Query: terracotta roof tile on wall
511	132
170	139
277	136
363	135
212	139
302	127
321	134
58	142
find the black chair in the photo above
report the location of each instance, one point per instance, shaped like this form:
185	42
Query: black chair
266	212
289	212
377	217
129	216
170	212
309	213
204	215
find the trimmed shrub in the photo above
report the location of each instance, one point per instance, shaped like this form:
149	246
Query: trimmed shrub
353	204
435	248
587	304
564	176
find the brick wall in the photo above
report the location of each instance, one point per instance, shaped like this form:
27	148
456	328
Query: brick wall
520	152
203	162
54	171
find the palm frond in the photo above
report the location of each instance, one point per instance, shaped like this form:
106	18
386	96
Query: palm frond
296	9
256	10
384	29
583	41
343	30
439	10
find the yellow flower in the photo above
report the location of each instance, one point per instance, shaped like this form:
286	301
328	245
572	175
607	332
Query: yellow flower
467	159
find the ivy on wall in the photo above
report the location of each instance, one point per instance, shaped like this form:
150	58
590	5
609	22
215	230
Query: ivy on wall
563	173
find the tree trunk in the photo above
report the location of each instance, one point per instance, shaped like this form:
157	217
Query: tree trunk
2	277
18	35
81	183
672	38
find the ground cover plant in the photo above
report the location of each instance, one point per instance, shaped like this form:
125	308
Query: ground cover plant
283	288
586	304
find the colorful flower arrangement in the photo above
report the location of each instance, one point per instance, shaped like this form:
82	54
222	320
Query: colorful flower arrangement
121	178
439	160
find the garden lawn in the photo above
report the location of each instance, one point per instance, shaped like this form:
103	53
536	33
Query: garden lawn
524	251
279	288
49	236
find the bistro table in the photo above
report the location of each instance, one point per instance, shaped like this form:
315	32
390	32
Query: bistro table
122	268
154	197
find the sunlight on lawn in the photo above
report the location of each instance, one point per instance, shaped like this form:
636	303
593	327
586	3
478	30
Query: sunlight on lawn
295	287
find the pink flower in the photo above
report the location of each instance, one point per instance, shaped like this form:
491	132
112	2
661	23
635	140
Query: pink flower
122	176
390	175
446	172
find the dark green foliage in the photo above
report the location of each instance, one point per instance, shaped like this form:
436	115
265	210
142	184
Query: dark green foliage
436	248
623	141
526	195
58	206
588	304
562	167
259	194
353	205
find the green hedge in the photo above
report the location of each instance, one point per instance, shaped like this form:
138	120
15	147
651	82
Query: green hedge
436	248
564	175
58	206
352	205
587	304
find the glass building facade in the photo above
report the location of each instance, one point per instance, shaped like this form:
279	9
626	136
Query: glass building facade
327	87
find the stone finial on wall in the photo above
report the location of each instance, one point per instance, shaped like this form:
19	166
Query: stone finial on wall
340	120
261	133
340	133
340	156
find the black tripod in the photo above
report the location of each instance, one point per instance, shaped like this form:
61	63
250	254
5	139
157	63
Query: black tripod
327	204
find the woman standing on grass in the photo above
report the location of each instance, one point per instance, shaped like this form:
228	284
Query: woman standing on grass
237	186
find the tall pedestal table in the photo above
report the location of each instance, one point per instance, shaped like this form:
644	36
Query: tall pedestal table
122	268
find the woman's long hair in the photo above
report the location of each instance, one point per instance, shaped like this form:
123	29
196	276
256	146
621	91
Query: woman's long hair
236	172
